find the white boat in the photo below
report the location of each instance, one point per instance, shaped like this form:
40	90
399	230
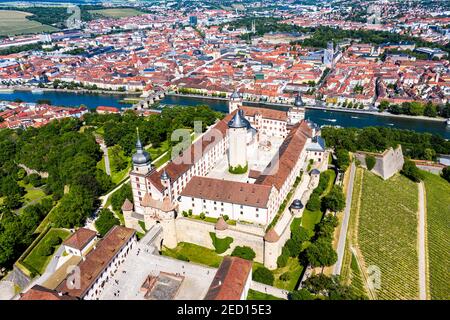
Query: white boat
38	91
6	90
354	117
331	120
448	122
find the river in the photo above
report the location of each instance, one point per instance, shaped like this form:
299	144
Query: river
321	117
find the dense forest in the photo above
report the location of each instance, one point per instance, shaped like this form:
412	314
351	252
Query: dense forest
376	139
70	158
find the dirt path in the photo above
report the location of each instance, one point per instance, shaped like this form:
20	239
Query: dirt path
421	234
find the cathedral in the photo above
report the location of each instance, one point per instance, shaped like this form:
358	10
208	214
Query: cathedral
246	166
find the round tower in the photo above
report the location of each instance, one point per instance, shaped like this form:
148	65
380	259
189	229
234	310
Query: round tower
271	249
235	102
237	135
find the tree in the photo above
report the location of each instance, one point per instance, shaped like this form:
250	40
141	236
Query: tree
319	283
321	253
263	275
342	159
430	110
118	197
446	173
53	241
301	294
383	105
410	171
334	200
370	162
244	253
313	202
106	221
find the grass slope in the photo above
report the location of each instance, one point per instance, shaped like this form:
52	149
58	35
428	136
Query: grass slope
387	234
15	22
438	222
117	13
39	262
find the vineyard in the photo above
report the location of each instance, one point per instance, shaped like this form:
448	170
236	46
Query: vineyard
387	234
438	220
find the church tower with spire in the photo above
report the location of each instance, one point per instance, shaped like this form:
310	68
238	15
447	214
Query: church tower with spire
141	168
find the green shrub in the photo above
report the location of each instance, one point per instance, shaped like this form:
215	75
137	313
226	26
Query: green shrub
411	171
263	275
45	250
282	260
53	241
238	169
244	253
202	216
285	276
370	162
226	217
313	202
190	212
221	245
182	258
185	214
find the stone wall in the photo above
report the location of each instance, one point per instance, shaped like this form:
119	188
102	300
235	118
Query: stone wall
387	163
197	232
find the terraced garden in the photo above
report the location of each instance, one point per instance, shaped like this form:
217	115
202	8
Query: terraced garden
387	234
438	222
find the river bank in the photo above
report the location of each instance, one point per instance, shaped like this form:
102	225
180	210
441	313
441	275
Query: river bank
83	91
286	106
319	115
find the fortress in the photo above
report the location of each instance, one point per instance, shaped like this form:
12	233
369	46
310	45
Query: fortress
240	170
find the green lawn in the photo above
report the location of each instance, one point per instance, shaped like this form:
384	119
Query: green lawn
256	295
296	223
116	176
117	12
33	195
295	270
156	152
16	22
387	234
35	260
310	219
438	221
194	253
332	175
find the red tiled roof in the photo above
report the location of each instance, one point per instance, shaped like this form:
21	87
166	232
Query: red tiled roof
98	260
230	279
228	191
80	238
38	292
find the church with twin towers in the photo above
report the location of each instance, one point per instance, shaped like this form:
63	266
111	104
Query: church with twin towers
231	180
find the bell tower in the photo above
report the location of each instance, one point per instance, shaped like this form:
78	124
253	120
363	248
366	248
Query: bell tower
141	167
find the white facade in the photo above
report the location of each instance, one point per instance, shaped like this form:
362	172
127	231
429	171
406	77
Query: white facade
238	147
82	251
97	287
